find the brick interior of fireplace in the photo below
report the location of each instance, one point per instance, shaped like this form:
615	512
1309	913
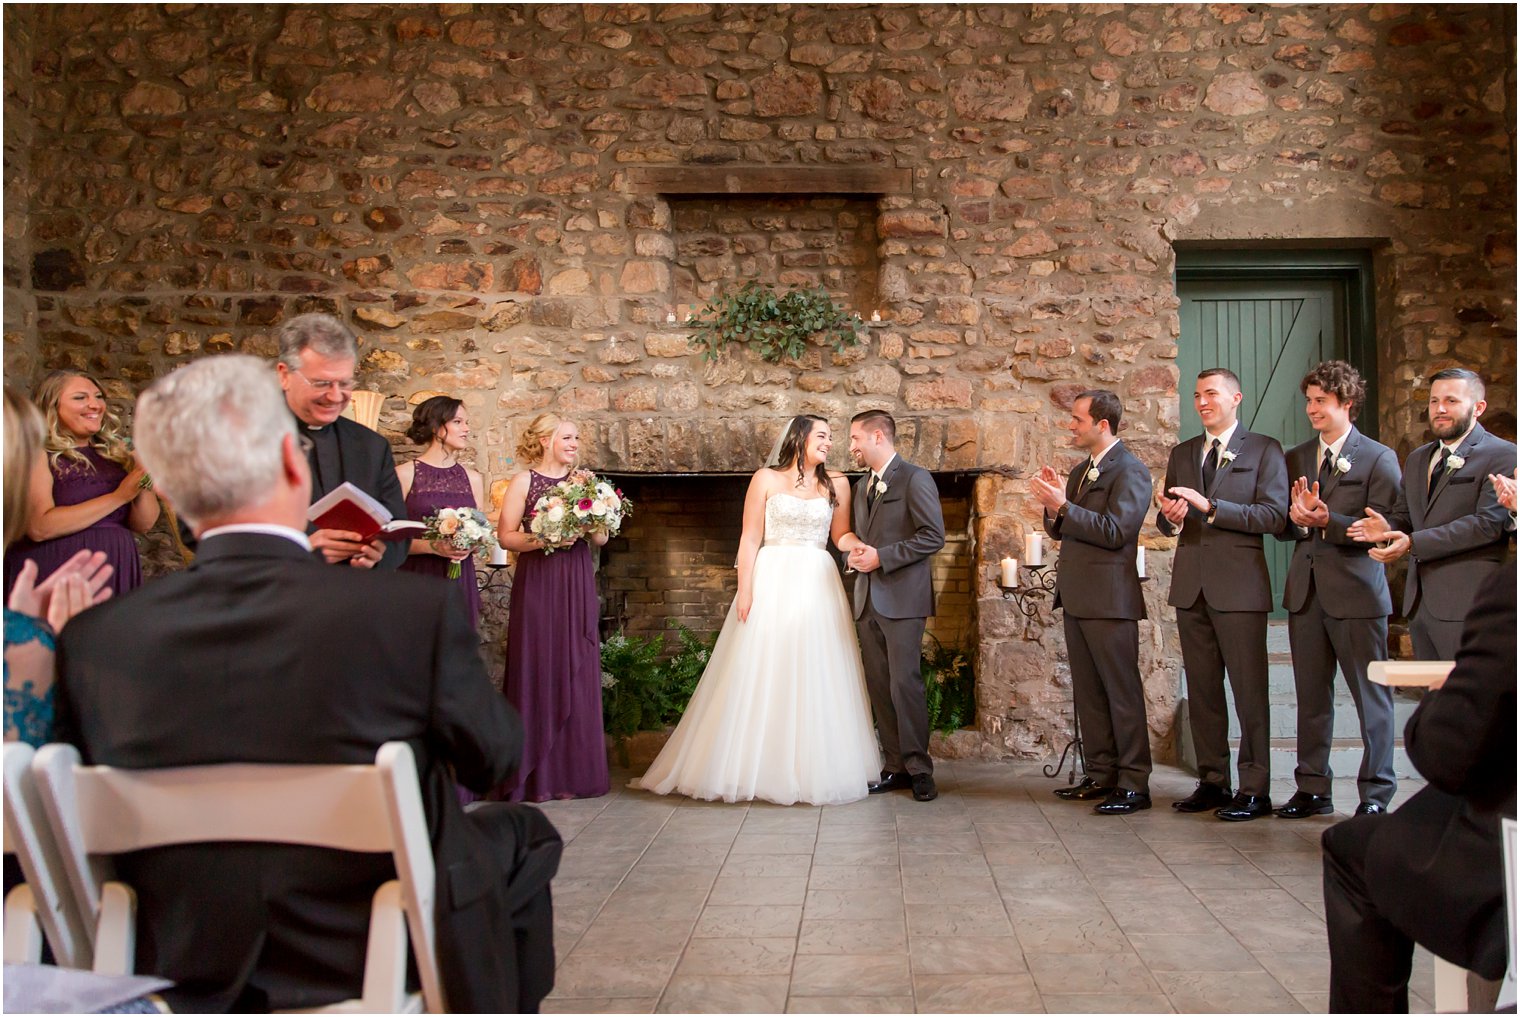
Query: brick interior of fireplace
674	560
723	242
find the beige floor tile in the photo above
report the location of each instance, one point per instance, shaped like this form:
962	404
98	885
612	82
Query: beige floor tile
1025	852
1101	1002
1067	904
654	905
966	955
984	919
1303	973
1242	992
854	905
772	843
1143	916
845	936
1070	936
1040	877
939	844
1280	935
1194	953
634	938
1106	973
1006	993
596	976
772	956
870	854
1195	853
1223	877
847	974
766	866
850	1004
758	890
949	890
557	1004
853	877
1319	1002
724	994
744	921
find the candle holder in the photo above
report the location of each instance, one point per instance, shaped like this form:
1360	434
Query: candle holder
1027	596
493	577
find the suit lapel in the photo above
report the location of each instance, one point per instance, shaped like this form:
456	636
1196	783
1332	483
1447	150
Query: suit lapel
1237	441
1443	475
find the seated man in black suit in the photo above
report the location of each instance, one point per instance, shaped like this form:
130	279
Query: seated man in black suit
1432	871
260	654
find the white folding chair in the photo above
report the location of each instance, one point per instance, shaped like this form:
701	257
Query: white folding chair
99	811
43	906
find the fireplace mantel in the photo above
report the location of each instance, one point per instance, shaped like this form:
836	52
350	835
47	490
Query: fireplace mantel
820	180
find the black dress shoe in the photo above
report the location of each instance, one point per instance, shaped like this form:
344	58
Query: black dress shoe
1121	802
1204	798
1243	807
1085	791
1371	809
923	788
889	782
1303	805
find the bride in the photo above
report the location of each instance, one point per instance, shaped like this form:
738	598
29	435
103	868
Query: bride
781	712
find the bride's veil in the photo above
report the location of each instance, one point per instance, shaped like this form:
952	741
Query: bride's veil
773	457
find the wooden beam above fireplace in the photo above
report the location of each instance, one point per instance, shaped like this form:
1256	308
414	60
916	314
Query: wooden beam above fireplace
769	180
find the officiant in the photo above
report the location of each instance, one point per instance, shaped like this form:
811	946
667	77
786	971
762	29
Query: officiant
318	359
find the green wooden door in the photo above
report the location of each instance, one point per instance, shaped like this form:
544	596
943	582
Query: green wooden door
1269	333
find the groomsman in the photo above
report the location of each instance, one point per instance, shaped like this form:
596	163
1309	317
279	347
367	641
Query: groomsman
1224	489
1097	514
1449	522
1336	595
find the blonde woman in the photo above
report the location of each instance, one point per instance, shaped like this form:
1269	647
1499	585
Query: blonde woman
36	612
87	493
554	663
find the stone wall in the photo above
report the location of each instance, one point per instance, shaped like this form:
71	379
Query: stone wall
459	181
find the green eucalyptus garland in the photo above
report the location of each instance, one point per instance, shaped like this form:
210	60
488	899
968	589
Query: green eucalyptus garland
778	326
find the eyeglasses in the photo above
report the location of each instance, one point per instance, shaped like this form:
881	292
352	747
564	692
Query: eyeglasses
346	386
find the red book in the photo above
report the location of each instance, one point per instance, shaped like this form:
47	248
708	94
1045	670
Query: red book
346	507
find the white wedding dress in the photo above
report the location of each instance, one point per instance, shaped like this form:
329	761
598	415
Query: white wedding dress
781	712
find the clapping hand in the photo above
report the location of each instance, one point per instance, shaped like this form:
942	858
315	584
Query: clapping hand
1504	487
1174	509
1392	544
1306	508
77	584
1188	497
1048	489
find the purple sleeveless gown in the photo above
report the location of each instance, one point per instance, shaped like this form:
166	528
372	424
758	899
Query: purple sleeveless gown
434	488
73	484
554	671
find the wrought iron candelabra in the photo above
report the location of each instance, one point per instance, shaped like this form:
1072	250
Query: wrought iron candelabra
1026	596
493	577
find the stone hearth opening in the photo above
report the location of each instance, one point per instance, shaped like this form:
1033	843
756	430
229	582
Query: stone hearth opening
674	560
787	240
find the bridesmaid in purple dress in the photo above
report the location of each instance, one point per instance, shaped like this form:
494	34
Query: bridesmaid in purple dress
436	480
554	654
87	493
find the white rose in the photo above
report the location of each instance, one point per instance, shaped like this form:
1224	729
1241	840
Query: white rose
599	508
1343	465
1226	456
1092	474
556	513
1455	462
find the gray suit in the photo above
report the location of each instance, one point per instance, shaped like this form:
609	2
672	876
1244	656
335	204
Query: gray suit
906	527
1338	601
1458	534
1222	594
1098	591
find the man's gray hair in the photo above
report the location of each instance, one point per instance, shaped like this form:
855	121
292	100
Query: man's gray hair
321	333
210	435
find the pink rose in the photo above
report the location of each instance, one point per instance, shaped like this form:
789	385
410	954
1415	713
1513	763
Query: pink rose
448	526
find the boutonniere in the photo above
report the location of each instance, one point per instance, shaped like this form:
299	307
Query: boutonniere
1092	474
1455	462
1342	466
1226	456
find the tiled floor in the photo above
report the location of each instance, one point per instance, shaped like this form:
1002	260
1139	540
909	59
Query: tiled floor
996	897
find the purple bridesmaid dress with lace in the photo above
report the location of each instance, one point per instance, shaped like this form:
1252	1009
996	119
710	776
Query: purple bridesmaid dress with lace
435	488
73	484
554	671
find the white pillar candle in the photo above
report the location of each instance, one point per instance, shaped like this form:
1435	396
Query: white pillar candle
876	316
1010	572
1034	550
670	317
498	556
1140	560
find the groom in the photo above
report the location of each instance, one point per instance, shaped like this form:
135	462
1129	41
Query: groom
898	519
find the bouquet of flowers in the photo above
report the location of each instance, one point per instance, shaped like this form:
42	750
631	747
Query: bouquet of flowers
464	529
580	505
